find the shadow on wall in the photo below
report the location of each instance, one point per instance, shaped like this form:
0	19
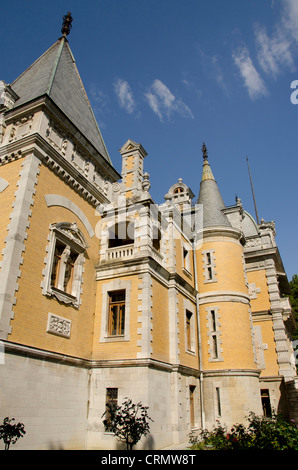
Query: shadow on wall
282	407
148	444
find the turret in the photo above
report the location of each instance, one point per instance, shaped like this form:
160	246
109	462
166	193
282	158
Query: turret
228	358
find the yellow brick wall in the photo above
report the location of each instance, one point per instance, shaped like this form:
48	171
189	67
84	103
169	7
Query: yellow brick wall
129	180
160	321
32	307
235	337
228	265
189	359
117	349
9	172
129	162
270	356
235	325
262	301
262	304
180	241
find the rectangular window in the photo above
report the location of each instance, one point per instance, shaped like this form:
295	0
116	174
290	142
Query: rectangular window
218	401
116	313
214	333
191	405
111	403
188	330
185	259
266	403
213	320
214	347
209	266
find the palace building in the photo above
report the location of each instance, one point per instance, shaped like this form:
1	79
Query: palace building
106	294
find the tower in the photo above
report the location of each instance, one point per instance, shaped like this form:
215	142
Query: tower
228	355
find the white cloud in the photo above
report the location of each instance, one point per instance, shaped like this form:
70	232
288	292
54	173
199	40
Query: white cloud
99	98
250	75
290	18
273	53
125	95
212	68
163	103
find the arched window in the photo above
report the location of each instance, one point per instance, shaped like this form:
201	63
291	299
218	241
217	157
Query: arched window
65	261
121	234
156	238
178	190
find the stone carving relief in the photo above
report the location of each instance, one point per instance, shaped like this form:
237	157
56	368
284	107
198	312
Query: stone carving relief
57	137
58	325
253	290
21	128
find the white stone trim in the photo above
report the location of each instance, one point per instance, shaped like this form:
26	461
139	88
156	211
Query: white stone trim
145	318
116	284
14	242
190	307
58	325
70	235
286	368
260	347
3	184
209	265
173	324
214	333
253	290
57	200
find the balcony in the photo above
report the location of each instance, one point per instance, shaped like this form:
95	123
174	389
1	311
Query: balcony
120	252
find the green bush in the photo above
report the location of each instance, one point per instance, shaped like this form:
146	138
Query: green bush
262	433
128	422
10	432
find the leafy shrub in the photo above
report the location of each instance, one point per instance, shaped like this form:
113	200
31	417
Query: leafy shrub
128	422
263	433
10	433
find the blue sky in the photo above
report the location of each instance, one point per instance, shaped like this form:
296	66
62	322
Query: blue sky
170	74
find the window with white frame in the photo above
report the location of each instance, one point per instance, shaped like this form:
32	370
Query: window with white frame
190	326
115	316
64	264
116	321
214	334
186	258
209	266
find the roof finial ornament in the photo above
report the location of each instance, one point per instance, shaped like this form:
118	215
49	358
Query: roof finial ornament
204	151
66	25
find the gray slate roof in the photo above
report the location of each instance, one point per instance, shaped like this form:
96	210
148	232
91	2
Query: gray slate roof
213	205
55	74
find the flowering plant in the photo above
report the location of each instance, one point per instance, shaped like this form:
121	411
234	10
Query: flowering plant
275	433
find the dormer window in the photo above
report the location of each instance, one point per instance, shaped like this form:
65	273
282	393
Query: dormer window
178	190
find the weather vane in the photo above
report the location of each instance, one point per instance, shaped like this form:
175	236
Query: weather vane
66	25
204	151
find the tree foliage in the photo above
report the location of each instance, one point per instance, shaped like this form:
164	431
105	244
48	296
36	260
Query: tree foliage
128	422
10	432
262	433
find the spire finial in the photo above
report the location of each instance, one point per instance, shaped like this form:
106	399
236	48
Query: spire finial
66	25
204	151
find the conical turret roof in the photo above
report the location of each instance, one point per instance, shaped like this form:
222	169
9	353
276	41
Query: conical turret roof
210	197
55	74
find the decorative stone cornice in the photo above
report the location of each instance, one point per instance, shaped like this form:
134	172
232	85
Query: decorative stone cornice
42	354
